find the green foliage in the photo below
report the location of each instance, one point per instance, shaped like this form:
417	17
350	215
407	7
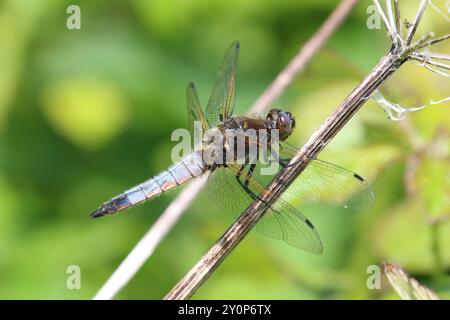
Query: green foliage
86	114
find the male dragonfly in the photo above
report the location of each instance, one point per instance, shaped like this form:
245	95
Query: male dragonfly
233	185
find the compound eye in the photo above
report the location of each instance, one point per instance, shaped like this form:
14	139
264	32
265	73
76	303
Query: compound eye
284	125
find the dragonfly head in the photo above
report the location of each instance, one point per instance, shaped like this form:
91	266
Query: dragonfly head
282	121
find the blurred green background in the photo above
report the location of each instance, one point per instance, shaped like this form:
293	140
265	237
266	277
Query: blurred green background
86	114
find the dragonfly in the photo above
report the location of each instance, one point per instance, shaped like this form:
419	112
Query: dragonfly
233	184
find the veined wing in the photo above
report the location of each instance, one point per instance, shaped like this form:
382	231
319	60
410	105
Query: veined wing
195	112
234	188
282	221
222	100
325	182
320	182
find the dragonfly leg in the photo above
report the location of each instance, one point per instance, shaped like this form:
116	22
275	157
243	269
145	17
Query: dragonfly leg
246	163
239	173
283	162
244	184
249	174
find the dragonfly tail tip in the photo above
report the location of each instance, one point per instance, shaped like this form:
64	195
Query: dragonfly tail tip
100	212
112	206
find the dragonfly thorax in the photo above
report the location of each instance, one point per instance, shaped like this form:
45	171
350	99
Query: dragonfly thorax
245	139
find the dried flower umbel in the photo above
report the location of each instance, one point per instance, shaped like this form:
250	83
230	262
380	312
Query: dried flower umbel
419	51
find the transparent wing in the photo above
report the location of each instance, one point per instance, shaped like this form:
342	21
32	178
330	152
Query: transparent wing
325	182
320	182
195	112
221	102
281	220
225	192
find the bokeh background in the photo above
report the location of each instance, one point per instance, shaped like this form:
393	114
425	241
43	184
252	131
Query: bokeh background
86	114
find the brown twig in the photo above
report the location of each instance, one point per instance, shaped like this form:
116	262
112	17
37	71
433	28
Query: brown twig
234	235
433	63
437	40
415	25
398	19
145	247
390	28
